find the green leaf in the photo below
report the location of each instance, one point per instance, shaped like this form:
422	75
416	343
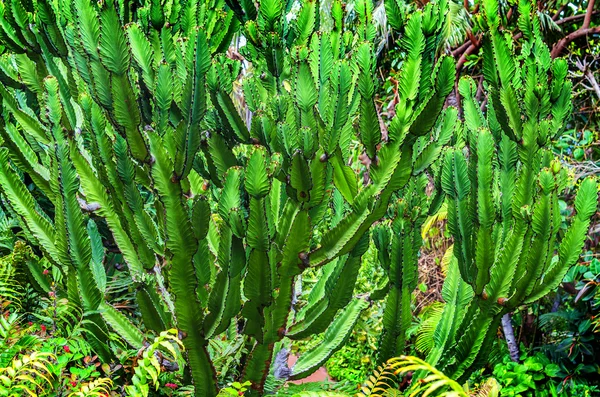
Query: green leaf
114	51
300	177
25	206
122	326
344	178
338	332
306	92
257	176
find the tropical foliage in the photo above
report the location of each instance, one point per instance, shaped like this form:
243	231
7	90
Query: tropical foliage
193	189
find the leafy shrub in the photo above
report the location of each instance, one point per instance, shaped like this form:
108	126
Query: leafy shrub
537	376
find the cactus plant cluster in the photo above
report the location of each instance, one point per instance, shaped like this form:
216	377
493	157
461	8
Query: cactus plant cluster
122	126
123	117
503	186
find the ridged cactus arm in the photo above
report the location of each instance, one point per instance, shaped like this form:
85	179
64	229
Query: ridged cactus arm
507	162
142	53
402	241
193	107
429	149
335	336
164	89
69	216
134	201
258	282
486	211
135	222
512	184
115	170
115	56
337	293
457	295
395	12
258	286
23	203
95	193
545	221
370	132
316	302
88	26
473	116
182	277
34	127
456	185
292	243
224	301
219	85
586	204
14	40
23	155
66	90
342	238
337	318
444	71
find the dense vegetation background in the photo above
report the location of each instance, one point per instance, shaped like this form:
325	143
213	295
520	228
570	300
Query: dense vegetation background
227	197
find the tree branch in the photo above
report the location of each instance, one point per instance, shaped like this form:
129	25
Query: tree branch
459	51
574	18
584	30
472	48
565	41
588	14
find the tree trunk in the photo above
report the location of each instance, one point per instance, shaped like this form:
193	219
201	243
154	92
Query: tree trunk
509	335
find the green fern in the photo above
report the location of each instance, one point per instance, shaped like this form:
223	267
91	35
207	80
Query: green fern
432	382
165	348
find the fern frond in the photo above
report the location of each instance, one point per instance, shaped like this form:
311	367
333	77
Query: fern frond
382	379
98	387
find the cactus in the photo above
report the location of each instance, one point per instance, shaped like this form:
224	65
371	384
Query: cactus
80	135
398	239
503	210
124	115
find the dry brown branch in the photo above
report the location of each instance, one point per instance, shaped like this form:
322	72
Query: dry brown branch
584	30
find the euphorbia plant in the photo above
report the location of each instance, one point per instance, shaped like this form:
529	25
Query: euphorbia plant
503	187
124	118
